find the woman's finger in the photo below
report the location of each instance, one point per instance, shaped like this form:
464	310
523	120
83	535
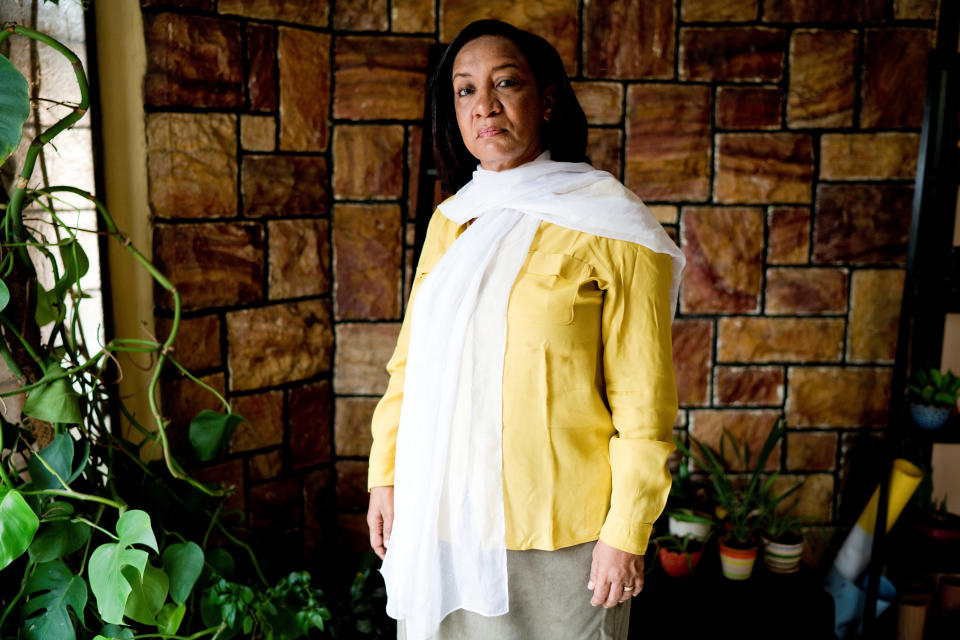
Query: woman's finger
601	591
615	594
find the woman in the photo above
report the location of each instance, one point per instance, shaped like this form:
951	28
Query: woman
531	395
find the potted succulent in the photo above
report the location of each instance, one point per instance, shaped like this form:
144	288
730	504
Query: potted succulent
679	555
743	500
933	396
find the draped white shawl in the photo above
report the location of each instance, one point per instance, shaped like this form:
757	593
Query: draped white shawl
447	548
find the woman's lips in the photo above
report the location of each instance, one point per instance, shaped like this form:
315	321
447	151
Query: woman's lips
488	132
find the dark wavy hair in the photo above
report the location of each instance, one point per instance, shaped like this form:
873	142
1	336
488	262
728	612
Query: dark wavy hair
565	135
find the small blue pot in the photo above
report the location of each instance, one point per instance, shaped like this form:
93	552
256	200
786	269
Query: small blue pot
928	416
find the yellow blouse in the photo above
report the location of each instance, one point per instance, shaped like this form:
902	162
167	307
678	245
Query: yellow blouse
589	397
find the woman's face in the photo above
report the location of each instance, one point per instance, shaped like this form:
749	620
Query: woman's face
500	109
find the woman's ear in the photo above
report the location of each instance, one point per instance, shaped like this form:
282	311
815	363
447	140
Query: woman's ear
548	99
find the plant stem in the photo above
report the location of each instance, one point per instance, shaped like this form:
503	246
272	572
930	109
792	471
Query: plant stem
16	598
245	547
77	495
226	405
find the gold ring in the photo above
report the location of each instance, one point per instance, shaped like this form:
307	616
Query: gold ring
628	588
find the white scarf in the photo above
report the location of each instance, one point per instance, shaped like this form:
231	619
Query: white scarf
447	548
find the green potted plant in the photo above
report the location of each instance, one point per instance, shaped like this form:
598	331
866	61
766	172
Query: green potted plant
742	499
782	535
933	397
689	508
679	555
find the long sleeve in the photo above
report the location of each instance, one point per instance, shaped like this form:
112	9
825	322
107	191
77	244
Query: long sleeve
441	233
641	392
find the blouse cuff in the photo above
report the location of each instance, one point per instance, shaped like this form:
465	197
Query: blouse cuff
626	535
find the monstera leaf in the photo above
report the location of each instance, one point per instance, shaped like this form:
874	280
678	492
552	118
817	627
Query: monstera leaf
14	107
51	589
107	563
18	524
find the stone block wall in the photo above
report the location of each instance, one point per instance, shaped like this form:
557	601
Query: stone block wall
775	139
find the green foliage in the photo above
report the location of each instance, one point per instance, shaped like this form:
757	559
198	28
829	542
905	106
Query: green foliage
54	401
4	295
930	386
51	590
18	524
211	431
14	107
110	583
183	562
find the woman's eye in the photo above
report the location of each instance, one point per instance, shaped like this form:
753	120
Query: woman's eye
507	82
463	91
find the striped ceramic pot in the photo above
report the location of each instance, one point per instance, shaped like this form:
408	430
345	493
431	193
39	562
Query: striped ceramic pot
782	557
737	564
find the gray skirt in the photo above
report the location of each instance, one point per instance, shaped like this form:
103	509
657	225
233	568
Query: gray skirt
549	600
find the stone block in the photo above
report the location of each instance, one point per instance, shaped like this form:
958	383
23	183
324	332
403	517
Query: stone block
362	354
692	360
862	223
263	421
868	156
265	466
201	5
668	142
718	10
368	162
352	485
299	263
228	474
555	20
262	67
361	15
893	78
281	185
367	255
749	386
318	514
210	264
810	291
764	168
724	250
352	426
310	12
780	339
829	11
277	344
814	498
197	345
304	62
413	16
788	240
629	39
183	399
749	427
665	213
915	9
602	102
811	451
192	61
874	315
380	77
604	149
258	133
838	397
414	144
192	164
742	54
746	107
311	410
822	83
352	532
276	505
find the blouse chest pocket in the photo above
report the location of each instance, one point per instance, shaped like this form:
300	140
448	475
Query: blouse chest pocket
546	288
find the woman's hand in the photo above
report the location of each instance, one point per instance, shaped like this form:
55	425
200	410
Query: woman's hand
380	519
611	571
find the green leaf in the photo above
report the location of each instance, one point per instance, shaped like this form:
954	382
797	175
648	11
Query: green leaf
944	398
55	401
14	107
4	295
110	586
59	455
51	589
75	262
115	632
222	562
18	524
170	617
147	594
58	539
210	431
183	562
49	307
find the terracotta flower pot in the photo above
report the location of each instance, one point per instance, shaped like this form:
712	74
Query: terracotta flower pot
782	557
736	564
675	564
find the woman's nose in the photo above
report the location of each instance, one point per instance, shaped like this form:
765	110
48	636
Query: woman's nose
486	104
